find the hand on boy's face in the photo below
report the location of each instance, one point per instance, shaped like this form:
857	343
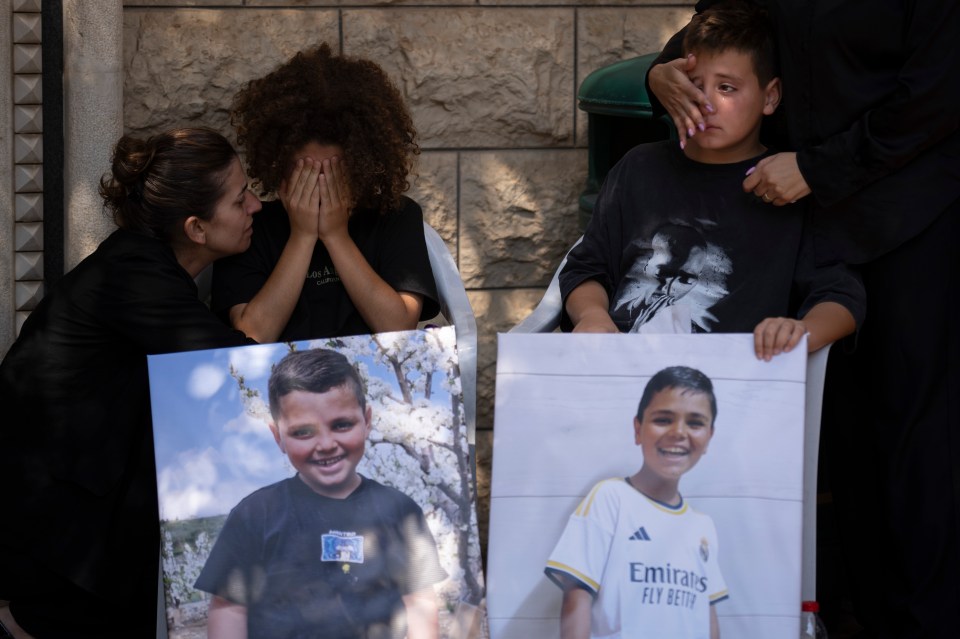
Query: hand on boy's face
324	437
687	105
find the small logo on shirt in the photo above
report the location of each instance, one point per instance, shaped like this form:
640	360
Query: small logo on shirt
323	275
640	535
342	546
704	549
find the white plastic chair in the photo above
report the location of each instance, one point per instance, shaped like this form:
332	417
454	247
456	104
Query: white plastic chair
545	318
455	307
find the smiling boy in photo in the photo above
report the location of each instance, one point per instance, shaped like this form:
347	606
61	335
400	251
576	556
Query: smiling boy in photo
327	553
634	559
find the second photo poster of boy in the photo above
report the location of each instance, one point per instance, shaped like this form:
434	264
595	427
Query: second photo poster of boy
646	485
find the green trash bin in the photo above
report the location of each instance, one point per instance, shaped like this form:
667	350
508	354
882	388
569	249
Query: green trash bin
619	117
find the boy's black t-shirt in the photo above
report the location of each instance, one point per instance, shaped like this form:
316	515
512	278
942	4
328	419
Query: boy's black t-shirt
674	240
392	243
308	566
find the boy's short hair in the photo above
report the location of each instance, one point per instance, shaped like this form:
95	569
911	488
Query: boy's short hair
678	377
314	371
741	26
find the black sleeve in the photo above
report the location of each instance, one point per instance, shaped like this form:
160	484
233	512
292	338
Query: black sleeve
597	256
229	570
826	282
919	113
402	260
418	564
152	302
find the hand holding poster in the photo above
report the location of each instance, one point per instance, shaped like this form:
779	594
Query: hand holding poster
584	459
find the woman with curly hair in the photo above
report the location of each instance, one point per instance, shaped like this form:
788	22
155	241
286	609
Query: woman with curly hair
330	135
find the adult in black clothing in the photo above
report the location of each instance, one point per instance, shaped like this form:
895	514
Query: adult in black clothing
342	252
871	95
79	544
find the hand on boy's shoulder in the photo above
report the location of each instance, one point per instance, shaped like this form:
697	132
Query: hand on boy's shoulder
777	180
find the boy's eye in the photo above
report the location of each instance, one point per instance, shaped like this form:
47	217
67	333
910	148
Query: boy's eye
727	88
301	432
663	421
342	426
696	423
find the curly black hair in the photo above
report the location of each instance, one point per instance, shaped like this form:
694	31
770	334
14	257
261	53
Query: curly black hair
320	97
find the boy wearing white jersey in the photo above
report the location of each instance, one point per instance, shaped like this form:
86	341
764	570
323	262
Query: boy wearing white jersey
635	560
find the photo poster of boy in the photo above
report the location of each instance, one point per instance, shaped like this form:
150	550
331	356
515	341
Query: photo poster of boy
710	523
351	506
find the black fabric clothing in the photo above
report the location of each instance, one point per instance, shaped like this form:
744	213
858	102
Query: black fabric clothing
392	243
870	97
49	606
892	441
76	447
870	101
309	566
668	231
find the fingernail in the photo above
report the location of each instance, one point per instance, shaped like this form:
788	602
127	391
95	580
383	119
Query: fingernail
751	170
690	132
683	145
702	126
710	109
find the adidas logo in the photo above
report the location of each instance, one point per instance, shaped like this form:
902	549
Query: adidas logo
640	535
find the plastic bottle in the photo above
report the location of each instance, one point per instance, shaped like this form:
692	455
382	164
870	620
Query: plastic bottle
811	626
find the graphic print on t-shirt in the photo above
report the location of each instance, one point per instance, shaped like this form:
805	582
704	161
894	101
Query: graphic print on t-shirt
342	546
671	281
323	275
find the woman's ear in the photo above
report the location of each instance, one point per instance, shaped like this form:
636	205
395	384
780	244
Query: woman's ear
193	229
771	96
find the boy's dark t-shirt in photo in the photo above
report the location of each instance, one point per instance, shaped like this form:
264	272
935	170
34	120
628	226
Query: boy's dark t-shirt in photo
305	565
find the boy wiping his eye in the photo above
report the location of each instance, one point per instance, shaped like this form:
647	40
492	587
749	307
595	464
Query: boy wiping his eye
675	245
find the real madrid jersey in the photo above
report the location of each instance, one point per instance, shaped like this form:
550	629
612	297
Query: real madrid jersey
652	568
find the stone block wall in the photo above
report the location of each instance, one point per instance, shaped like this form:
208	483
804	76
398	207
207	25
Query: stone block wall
492	87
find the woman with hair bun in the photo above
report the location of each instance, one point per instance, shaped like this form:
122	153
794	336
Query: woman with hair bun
79	542
342	252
